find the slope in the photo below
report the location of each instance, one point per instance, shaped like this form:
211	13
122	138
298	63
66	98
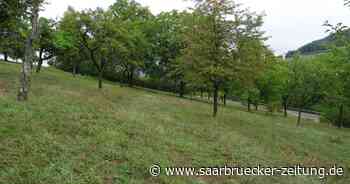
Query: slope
71	132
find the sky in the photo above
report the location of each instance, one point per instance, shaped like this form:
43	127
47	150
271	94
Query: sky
289	23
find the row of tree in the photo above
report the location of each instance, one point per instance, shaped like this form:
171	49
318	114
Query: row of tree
207	48
215	48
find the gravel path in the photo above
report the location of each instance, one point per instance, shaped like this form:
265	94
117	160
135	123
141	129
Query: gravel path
309	116
304	115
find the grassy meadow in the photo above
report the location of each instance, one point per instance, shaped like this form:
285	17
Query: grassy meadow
69	132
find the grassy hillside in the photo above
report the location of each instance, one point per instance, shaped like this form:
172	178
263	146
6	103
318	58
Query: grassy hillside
71	132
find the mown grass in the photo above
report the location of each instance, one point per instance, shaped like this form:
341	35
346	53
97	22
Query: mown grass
72	133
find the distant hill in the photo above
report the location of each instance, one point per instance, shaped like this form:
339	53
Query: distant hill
316	47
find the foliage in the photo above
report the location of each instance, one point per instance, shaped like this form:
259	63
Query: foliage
134	19
12	28
69	49
336	105
308	82
273	84
217	47
45	44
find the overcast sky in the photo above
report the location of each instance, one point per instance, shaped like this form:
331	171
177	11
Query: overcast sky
289	23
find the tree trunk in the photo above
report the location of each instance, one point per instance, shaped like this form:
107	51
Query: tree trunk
285	108
125	79
40	62
216	96
201	93
5	56
100	77
131	79
249	103
74	69
24	81
299	118
341	114
29	57
32	63
256	107
225	97
182	89
127	82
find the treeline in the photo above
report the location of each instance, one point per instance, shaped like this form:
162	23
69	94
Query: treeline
181	52
215	50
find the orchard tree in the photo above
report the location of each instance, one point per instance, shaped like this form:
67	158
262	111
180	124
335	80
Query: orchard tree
177	72
253	58
68	46
336	105
7	24
99	36
168	41
12	13
134	20
337	101
213	42
307	79
272	82
132	59
45	43
33	7
252	96
285	85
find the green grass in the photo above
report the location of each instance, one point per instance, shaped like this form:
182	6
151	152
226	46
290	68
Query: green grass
71	132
